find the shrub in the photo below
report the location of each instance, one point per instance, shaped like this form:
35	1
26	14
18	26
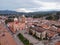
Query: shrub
30	44
23	39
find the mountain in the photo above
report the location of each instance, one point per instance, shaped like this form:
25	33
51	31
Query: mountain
40	13
8	12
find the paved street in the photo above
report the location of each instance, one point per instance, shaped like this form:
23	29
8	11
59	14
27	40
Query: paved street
55	39
31	38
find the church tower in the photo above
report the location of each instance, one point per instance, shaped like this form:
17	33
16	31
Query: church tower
23	19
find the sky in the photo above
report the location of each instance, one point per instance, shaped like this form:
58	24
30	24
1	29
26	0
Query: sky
29	5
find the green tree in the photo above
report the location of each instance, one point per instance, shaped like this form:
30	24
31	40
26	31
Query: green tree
56	17
49	18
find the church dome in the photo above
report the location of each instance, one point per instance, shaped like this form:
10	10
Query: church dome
23	15
15	19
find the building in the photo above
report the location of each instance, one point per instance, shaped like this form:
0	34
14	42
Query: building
16	25
23	19
38	31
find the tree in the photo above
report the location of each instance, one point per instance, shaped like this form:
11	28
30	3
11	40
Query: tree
8	20
56	17
53	17
49	18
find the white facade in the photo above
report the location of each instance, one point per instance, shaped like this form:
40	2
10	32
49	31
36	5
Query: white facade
38	34
15	19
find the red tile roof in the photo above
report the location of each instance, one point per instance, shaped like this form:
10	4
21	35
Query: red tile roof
57	43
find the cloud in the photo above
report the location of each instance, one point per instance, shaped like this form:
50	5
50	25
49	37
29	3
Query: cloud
42	6
30	5
23	10
48	5
50	0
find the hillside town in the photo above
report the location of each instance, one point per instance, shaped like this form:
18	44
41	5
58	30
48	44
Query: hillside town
29	31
